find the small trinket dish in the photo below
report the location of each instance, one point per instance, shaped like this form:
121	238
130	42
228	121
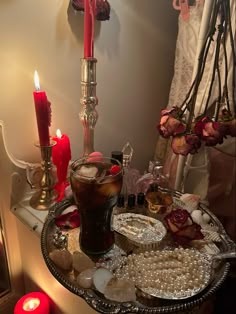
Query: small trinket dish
139	229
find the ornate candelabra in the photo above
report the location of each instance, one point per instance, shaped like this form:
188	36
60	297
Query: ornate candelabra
88	114
44	197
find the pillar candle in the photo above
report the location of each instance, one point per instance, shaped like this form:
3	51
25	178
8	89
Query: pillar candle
61	155
33	303
89	18
43	112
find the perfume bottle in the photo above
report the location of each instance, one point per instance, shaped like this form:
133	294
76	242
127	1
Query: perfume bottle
131	175
153	179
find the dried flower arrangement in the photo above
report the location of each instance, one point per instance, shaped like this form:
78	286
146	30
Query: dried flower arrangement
189	131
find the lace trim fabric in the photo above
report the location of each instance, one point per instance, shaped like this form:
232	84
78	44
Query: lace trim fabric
185	56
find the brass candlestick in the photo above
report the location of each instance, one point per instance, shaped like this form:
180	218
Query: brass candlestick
44	197
88	114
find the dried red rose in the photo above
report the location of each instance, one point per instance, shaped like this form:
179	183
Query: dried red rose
186	144
68	221
174	111
102	8
177	219
182	227
78	5
211	132
170	126
170	122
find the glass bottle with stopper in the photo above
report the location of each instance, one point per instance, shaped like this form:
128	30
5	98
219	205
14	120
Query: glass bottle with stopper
153	179
131	175
153	184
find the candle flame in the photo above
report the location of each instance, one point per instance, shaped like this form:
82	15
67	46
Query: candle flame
58	133
31	304
36	80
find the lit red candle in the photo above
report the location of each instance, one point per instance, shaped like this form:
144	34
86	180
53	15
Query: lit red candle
33	303
61	155
43	112
89	18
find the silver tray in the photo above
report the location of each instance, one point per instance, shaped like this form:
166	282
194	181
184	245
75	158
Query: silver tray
145	303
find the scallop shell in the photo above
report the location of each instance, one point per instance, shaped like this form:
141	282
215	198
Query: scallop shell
211	236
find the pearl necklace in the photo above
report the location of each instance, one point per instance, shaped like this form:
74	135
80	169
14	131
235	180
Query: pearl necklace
168	274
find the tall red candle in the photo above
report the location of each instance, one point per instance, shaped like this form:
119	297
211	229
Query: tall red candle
89	18
43	113
61	155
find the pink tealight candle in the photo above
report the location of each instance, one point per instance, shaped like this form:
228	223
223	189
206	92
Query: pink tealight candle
33	303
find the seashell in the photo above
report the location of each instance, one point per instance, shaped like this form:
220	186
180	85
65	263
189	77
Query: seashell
191	201
206	218
197	216
210	248
211	236
210	227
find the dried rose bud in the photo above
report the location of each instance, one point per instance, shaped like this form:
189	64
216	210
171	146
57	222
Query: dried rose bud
188	233
70	220
182	227
174	111
103	10
78	5
170	122
170	126
177	219
211	132
186	144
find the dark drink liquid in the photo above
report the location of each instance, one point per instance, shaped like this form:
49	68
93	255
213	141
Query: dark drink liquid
95	194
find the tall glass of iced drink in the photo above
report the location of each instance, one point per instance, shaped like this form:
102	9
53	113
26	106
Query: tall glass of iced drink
96	184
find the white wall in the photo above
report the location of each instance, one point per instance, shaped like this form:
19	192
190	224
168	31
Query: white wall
135	52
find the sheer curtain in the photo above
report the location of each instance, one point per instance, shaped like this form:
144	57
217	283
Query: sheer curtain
211	172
